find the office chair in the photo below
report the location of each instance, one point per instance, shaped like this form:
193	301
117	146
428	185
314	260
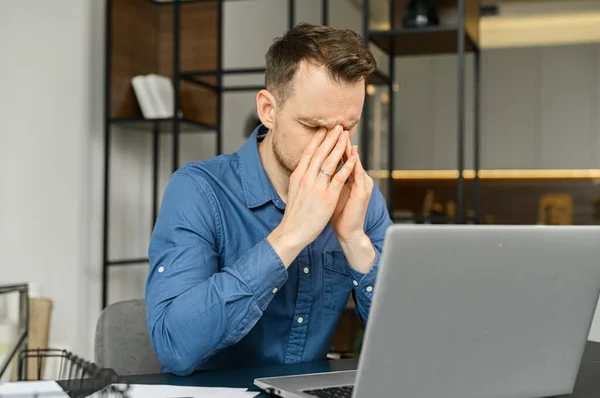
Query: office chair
122	340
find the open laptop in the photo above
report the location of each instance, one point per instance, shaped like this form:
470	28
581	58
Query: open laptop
471	311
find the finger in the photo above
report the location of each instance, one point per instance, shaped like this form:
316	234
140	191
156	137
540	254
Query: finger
348	149
359	171
323	151
309	151
331	164
339	179
348	154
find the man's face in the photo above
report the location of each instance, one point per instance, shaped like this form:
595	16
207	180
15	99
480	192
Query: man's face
316	101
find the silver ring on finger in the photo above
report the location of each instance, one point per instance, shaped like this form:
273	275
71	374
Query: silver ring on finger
328	174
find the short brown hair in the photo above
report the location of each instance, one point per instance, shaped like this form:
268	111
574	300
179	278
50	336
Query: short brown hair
341	51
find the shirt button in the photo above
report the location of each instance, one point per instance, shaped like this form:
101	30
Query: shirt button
300	320
369	289
355	283
275	290
161	269
306	270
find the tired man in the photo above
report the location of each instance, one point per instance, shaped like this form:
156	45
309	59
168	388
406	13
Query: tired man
255	254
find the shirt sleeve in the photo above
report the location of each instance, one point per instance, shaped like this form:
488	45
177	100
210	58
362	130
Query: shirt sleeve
195	305
376	225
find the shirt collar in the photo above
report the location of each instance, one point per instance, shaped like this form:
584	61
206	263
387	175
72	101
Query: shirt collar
258	189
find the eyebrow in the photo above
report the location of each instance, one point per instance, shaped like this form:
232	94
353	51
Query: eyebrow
321	122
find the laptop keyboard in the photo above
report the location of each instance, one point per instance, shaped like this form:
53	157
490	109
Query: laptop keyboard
331	392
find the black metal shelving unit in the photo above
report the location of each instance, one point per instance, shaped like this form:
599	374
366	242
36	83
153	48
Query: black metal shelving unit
394	42
459	38
178	125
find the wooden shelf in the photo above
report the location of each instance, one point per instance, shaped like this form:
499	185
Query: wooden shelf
164	124
424	41
442	39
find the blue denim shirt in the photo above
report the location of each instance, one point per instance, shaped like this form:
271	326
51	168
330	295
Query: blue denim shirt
218	295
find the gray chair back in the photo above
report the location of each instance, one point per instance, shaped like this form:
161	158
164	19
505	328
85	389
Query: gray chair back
122	340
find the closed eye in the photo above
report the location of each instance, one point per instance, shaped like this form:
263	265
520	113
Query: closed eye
312	128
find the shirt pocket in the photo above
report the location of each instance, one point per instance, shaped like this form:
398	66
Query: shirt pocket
337	283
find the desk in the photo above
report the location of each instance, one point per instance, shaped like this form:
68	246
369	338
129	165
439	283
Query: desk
587	386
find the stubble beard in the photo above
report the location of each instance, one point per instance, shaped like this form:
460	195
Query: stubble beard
282	160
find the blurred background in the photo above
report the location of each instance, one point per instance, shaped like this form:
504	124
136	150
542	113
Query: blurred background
481	112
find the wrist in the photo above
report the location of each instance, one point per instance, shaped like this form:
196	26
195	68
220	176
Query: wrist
286	244
359	238
359	252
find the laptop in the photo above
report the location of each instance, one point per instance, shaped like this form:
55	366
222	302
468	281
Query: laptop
471	311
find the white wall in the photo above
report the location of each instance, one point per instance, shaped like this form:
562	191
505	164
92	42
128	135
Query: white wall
48	90
51	150
540	108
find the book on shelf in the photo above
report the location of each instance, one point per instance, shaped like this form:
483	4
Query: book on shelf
155	95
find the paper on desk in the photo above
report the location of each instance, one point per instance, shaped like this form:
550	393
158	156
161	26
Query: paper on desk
168	391
26	389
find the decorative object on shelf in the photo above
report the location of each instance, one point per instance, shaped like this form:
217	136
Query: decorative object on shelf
555	209
437	213
451	210
596	206
489	219
155	95
420	14
428	202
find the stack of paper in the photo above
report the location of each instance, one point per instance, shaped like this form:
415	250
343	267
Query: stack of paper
27	389
50	389
155	95
167	391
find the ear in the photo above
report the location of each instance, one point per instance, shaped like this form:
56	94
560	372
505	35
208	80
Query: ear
265	107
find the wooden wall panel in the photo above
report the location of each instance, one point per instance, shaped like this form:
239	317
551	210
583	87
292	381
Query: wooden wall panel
133	52
198	51
198	37
472	19
142	43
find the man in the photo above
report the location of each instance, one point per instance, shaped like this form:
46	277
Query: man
255	254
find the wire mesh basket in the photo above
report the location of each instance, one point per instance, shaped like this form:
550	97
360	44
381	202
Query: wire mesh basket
76	376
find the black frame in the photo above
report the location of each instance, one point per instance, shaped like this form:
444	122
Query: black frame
193	76
462	46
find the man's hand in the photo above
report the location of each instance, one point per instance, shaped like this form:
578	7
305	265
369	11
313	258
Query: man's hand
349	217
313	194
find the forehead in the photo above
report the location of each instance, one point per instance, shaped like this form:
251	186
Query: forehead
319	100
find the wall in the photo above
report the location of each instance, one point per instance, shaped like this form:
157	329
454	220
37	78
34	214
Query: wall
51	154
540	108
47	76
